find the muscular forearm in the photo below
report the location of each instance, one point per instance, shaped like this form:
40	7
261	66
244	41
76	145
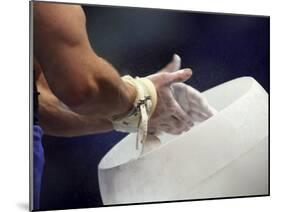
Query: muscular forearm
76	75
106	94
58	120
88	84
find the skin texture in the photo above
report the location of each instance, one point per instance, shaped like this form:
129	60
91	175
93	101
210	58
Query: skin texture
58	120
62	49
175	121
187	107
81	86
193	102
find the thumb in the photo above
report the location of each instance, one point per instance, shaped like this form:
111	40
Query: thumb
174	65
179	76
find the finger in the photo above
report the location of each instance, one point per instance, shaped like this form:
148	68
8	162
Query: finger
193	100
174	65
177	111
193	95
180	94
165	128
172	124
172	131
186	127
199	101
190	124
175	130
197	117
197	109
178	131
203	106
178	76
213	110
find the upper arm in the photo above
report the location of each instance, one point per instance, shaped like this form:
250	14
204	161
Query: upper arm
58	24
61	46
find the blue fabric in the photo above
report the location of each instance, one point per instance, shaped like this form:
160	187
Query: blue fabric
38	163
70	177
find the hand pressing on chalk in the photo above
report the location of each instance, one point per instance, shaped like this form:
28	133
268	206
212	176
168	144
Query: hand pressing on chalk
193	102
169	116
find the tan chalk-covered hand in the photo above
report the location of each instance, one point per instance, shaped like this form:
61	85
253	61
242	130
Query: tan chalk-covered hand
169	116
193	102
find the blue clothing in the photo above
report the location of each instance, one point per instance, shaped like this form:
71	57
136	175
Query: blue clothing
38	164
38	152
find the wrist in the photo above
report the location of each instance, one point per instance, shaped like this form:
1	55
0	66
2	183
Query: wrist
145	100
127	105
131	96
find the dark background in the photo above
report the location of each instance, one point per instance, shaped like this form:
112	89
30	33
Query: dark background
218	47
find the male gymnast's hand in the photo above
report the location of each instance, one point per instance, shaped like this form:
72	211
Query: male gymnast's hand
193	102
179	105
169	116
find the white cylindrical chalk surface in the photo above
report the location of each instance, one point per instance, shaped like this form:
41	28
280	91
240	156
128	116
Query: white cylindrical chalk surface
224	156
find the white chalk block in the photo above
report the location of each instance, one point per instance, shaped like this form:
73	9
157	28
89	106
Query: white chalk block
225	156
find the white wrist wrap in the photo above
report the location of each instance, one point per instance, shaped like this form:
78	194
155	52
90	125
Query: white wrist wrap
144	106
